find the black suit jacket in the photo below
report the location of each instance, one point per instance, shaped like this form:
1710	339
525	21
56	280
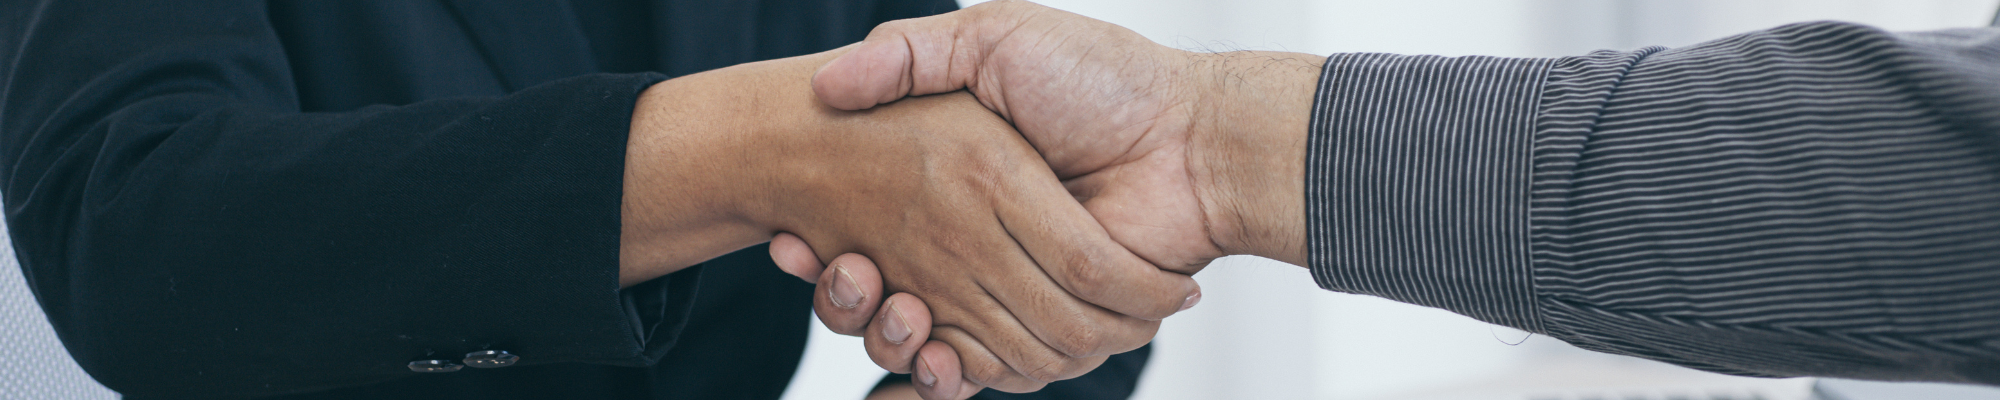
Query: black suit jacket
259	198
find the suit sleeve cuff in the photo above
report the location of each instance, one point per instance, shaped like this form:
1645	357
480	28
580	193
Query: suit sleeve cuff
556	256
1417	181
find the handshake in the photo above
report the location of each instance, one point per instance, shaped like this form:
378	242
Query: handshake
997	197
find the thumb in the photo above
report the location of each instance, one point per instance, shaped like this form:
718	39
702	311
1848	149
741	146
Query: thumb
918	56
876	71
795	257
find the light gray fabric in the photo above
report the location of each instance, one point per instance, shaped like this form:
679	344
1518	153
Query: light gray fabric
33	364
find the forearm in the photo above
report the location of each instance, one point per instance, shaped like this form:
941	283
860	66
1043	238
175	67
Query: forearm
383	236
192	232
1788	202
690	194
1815	199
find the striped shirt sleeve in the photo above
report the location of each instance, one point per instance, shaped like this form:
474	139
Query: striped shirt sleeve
1818	199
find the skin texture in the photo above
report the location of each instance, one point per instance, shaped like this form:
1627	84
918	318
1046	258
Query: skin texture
1183	157
951	203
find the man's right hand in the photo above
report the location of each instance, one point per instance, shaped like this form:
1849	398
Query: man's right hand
953	204
1183	157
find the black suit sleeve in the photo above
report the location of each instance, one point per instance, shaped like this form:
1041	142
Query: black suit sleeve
891	10
189	231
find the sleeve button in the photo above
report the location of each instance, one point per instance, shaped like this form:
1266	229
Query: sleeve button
434	366
490	359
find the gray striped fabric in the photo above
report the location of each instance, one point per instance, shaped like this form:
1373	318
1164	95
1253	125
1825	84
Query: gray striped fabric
1817	199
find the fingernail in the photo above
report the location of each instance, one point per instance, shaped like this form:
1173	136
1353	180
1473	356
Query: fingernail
924	375
894	327
845	292
1192	300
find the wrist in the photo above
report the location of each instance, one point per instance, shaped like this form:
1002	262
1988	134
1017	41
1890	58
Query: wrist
701	164
1247	149
780	127
675	213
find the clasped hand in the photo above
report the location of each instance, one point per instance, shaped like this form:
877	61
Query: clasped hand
1018	232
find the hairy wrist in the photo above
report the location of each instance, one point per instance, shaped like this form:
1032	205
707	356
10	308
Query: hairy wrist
1247	148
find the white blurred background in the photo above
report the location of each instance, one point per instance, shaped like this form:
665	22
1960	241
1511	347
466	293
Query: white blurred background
1264	331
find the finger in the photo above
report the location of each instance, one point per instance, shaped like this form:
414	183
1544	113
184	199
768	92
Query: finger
937	373
1027	318
983	369
848	294
795	257
919	56
1080	256
1010	355
874	72
902	326
966	390
1078	253
979	366
1007	354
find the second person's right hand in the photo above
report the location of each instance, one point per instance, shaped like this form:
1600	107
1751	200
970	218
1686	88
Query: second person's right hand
1183	157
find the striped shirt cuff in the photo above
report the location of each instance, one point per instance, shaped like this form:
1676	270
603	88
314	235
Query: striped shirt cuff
1416	181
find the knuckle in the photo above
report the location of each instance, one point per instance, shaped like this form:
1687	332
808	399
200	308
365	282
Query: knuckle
987	373
1049	371
1086	274
1082	342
